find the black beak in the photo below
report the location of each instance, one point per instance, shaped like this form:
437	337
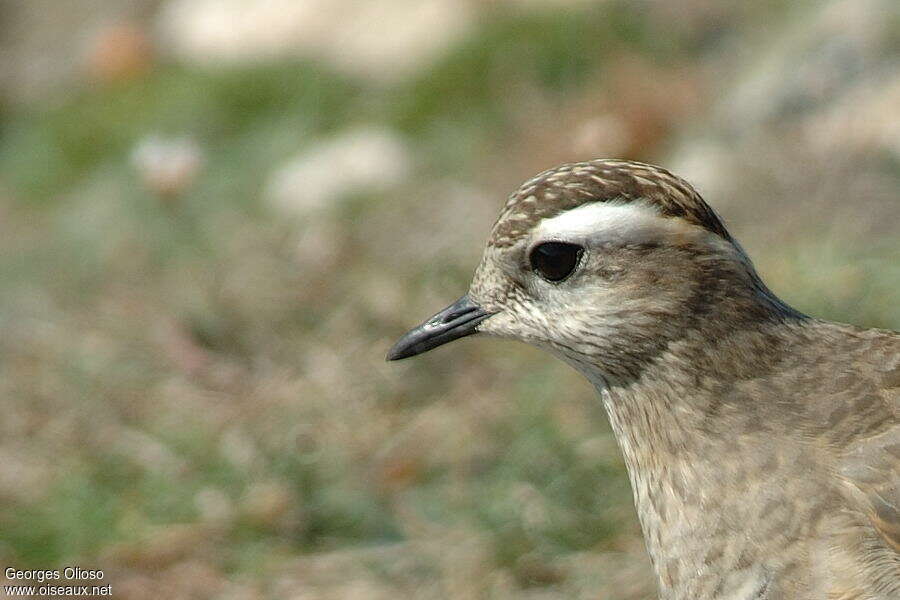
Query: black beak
456	321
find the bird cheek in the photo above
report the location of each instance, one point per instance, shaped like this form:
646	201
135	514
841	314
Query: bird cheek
503	325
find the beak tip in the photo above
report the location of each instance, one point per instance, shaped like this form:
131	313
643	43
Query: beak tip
402	348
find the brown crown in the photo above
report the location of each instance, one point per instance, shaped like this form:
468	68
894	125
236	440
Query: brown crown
569	186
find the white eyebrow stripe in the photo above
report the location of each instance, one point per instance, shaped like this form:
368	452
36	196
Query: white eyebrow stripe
597	222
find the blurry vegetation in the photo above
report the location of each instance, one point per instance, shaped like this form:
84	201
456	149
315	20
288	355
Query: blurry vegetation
549	52
100	124
197	379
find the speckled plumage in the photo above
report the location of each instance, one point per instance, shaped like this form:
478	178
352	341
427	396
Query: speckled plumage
763	446
568	186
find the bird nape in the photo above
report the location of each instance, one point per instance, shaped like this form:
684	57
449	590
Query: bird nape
763	445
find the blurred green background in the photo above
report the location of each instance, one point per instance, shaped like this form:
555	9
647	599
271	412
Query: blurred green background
215	217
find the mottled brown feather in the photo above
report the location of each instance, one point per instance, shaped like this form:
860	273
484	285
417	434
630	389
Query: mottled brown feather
762	445
571	185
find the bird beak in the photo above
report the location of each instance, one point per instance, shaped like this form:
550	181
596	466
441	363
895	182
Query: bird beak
457	320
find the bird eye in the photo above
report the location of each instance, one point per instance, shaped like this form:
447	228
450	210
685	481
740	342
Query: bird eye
555	261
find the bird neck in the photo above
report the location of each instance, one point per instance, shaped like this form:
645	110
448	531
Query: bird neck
703	457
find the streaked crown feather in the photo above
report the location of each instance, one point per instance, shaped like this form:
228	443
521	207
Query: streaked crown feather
572	185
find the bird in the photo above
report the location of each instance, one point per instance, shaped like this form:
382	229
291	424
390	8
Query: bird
762	445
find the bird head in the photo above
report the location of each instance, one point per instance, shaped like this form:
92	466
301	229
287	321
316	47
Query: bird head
606	264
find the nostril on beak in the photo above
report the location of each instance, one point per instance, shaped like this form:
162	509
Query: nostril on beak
456	314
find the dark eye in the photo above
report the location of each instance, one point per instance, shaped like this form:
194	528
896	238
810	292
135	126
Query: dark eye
555	261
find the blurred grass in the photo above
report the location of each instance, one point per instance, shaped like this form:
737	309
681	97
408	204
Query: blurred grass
540	51
190	381
45	151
